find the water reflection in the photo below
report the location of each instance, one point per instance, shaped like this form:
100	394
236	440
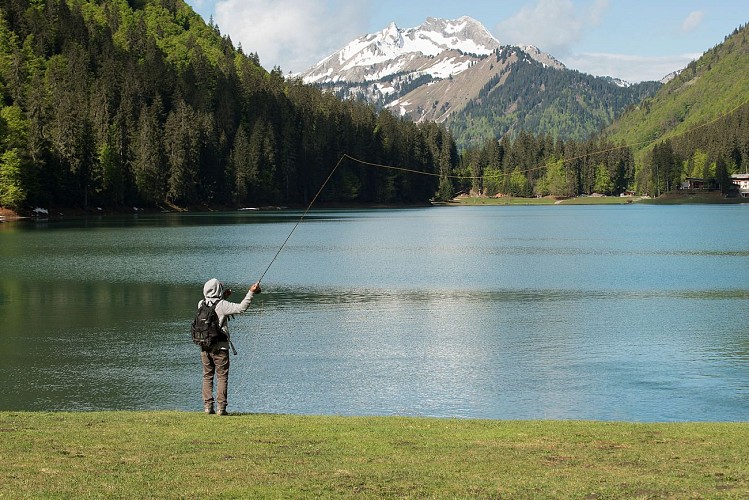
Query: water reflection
183	219
72	345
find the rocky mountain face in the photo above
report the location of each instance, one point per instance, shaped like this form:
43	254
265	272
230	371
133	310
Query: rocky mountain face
443	68
397	68
438	48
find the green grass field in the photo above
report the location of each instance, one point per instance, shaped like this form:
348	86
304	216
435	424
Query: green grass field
191	455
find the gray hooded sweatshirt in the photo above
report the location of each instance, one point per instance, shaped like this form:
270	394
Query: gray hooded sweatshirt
213	291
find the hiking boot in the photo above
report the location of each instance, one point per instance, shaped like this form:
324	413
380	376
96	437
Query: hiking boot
209	410
222	412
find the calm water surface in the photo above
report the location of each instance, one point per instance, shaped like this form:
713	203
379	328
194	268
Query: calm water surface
590	312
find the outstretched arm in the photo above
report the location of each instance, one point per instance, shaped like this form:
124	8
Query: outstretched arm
226	308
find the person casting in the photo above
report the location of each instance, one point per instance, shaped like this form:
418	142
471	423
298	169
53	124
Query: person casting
215	359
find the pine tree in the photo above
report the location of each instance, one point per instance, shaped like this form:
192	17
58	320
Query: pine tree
12	193
148	158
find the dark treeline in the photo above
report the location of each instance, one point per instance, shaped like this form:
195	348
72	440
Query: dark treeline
140	102
532	165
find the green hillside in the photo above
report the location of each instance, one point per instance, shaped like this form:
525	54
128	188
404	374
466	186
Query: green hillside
695	126
707	90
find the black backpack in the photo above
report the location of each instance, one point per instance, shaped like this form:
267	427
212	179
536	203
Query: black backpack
206	330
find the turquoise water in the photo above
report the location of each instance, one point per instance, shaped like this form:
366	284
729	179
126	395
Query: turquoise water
629	312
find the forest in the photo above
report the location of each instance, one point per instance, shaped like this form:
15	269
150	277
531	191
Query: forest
121	103
532	165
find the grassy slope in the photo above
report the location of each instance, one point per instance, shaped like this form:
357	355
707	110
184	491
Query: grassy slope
178	454
713	86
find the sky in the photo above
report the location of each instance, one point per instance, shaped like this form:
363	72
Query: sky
635	40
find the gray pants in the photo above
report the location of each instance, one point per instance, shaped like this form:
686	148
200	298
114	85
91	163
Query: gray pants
216	363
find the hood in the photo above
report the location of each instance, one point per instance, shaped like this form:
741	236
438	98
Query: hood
213	289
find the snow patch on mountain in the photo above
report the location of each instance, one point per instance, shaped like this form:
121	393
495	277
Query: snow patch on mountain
397	50
617	81
670	76
542	57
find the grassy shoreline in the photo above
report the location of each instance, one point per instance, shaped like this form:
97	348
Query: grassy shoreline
509	200
181	454
676	198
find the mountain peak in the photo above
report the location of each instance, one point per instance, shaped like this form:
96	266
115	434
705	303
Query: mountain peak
392	35
464	33
395	50
542	57
428	72
462	29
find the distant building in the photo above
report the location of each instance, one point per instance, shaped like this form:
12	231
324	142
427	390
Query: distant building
742	182
693	183
699	184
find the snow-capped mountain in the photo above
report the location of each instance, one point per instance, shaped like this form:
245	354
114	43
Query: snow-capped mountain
455	71
438	47
387	67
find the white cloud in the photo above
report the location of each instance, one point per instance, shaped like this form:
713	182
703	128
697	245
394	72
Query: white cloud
629	68
556	27
596	13
292	34
692	22
552	25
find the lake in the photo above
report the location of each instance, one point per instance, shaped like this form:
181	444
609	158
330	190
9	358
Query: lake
625	312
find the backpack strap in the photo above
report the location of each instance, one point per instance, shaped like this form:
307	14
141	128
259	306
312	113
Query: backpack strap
228	336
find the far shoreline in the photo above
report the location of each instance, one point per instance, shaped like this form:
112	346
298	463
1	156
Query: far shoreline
687	198
676	198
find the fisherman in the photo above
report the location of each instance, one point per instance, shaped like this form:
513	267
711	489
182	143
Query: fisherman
216	358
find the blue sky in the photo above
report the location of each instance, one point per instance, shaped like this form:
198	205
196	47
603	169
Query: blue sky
634	40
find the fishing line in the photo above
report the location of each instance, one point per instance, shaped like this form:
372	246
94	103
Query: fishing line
302	217
540	166
475	177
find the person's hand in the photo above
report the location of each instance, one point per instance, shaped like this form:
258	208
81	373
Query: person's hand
255	288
